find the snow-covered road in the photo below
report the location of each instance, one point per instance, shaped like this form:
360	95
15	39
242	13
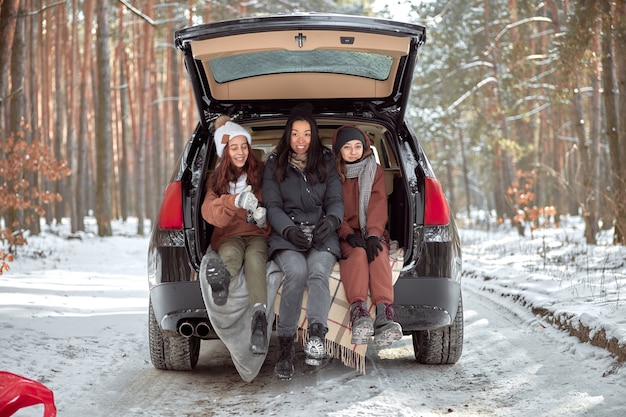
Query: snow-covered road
512	365
77	322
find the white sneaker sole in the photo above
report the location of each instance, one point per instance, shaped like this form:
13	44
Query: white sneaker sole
315	351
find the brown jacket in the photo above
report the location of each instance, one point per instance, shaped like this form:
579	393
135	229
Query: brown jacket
376	211
220	211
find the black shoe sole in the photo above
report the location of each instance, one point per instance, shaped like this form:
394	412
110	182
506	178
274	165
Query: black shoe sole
258	344
218	278
282	374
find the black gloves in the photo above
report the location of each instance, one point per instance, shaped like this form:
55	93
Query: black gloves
355	240
297	237
322	231
372	247
324	228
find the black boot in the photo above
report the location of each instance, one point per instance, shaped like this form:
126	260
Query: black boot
217	276
258	338
284	363
315	347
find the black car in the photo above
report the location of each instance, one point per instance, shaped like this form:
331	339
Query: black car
354	70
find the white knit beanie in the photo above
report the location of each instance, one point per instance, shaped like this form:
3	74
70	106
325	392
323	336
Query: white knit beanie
225	133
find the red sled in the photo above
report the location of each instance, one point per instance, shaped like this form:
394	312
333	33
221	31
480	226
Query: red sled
17	392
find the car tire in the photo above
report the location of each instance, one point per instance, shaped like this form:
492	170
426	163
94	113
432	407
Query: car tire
440	346
176	353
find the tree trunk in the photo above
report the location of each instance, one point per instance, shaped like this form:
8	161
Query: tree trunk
583	174
72	123
595	134
611	112
16	95
32	98
16	109
60	105
82	169
449	175
104	164
145	140
126	143
619	167
466	181
8	22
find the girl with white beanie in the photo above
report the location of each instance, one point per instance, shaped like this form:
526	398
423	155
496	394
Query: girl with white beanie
239	238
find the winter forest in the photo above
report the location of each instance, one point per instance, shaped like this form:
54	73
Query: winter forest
516	101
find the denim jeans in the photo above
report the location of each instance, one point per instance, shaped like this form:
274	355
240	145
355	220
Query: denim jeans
309	269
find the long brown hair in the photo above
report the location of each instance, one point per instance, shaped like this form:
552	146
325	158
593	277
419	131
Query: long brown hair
225	172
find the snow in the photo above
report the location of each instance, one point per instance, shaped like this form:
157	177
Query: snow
73	315
397	10
554	270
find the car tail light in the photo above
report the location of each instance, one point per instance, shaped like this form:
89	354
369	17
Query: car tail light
171	214
436	211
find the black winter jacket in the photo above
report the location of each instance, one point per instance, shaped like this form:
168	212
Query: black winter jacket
295	201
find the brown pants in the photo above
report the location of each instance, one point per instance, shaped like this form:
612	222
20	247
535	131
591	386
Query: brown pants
359	276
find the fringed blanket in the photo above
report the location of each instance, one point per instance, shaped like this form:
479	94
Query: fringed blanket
339	336
232	321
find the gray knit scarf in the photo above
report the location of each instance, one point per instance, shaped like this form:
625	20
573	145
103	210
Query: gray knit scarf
364	170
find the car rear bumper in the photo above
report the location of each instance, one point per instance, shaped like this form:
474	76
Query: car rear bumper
426	303
421	303
173	302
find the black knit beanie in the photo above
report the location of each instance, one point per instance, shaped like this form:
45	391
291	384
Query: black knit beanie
345	135
302	111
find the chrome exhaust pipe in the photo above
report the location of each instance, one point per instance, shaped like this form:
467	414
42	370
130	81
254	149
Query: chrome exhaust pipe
203	329
186	329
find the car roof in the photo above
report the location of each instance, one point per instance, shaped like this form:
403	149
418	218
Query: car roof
343	62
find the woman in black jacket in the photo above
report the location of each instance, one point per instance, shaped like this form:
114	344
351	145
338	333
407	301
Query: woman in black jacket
303	196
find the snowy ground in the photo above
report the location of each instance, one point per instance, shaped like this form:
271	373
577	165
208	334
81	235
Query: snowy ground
578	287
73	316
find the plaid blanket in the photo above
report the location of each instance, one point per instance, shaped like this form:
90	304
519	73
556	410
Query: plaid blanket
338	338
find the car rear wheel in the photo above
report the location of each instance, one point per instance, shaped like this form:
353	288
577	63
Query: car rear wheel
441	346
171	352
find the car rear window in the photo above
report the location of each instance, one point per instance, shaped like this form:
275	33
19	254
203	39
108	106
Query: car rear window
361	64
